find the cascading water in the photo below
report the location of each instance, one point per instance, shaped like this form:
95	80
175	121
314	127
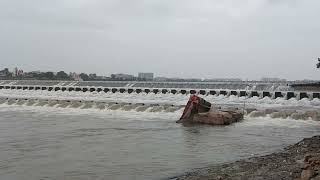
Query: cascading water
139	107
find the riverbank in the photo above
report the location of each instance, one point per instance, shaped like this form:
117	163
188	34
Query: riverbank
299	161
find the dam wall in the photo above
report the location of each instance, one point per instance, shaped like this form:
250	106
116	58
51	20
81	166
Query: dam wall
248	90
234	85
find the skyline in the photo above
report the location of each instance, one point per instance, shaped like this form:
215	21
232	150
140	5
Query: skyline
155	75
250	39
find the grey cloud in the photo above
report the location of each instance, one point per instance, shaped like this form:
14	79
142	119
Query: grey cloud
208	38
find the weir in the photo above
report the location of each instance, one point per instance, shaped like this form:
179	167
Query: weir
85	104
205	92
305	114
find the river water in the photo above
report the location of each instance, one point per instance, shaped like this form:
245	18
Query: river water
40	141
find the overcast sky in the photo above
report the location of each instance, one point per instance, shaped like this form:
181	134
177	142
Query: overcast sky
175	38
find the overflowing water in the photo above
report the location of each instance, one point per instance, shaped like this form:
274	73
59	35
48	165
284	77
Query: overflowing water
77	135
247	85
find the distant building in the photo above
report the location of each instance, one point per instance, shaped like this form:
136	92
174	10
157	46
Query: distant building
102	78
5	72
17	72
272	79
122	77
35	72
145	76
20	72
223	80
75	76
160	79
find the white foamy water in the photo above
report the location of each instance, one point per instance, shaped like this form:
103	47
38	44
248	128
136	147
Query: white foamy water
42	138
174	99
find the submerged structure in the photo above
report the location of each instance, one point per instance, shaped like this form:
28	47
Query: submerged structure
200	111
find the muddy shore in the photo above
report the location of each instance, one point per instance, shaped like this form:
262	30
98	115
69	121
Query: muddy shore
298	161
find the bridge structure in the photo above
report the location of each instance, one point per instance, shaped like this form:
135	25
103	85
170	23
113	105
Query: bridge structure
240	89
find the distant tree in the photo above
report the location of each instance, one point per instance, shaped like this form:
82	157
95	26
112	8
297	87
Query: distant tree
84	76
6	71
48	75
62	75
93	76
318	65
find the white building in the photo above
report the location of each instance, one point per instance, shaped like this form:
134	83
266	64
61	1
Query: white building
145	76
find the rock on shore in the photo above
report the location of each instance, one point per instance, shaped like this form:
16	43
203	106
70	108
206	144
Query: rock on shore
300	161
